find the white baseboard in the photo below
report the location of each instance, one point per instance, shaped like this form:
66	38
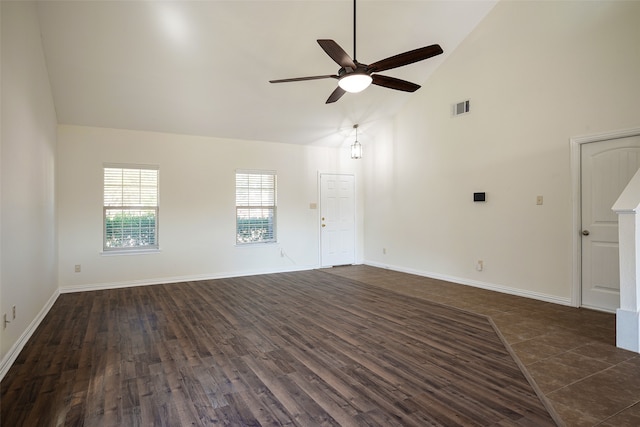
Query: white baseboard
17	347
175	279
477	284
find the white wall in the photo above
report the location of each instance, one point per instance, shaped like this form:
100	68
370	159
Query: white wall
197	206
28	207
537	74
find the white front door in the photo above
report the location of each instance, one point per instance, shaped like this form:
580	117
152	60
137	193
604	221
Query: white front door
606	169
337	219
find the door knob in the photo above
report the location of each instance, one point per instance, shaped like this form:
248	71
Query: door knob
324	225
585	232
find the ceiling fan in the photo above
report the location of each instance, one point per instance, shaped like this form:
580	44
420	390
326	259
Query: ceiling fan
354	76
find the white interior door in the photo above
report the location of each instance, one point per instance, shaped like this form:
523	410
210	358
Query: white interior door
337	219
606	168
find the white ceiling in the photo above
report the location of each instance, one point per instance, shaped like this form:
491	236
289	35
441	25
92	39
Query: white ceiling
202	67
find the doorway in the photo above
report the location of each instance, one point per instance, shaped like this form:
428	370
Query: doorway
607	164
337	219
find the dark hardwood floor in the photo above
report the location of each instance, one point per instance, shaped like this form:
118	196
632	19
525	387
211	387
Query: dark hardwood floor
299	349
569	352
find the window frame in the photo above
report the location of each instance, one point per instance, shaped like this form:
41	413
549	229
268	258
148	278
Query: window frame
262	206
155	247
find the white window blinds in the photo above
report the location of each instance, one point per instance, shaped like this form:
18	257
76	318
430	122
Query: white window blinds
255	207
130	207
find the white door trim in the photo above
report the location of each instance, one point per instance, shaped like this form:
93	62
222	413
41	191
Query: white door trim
576	143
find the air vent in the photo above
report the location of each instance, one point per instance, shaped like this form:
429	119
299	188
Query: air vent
460	108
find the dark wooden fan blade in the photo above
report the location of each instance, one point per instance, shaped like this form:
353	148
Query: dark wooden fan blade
393	83
405	58
300	79
335	95
337	53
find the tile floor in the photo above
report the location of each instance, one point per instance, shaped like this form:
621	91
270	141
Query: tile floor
570	353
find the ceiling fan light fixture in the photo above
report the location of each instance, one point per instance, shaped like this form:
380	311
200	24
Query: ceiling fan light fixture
355	82
355	77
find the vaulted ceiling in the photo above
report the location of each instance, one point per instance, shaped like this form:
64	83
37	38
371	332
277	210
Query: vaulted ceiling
202	67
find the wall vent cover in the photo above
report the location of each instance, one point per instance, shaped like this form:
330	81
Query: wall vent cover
460	108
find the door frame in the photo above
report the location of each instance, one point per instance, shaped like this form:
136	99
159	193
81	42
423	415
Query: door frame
355	213
576	144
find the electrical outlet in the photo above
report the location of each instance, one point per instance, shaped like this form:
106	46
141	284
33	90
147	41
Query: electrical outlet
539	200
384	251
78	268
479	265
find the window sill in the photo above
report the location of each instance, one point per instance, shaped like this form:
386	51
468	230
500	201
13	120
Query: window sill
118	252
254	244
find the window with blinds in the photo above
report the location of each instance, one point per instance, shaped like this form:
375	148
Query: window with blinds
255	207
130	207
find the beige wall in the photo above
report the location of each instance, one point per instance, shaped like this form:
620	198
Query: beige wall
28	263
197	206
537	74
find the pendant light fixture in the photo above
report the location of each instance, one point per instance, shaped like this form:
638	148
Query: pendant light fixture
356	147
